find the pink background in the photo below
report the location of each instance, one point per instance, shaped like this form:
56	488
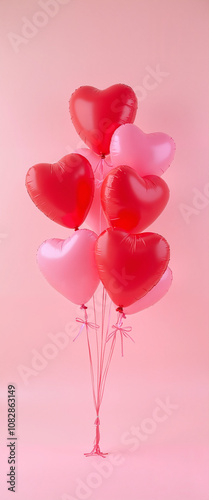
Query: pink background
100	43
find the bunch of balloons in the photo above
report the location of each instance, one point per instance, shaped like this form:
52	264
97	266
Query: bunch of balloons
114	185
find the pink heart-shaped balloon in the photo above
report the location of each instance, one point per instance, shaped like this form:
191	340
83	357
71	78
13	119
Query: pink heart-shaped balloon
147	153
70	265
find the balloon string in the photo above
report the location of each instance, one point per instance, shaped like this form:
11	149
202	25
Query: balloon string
124	331
102	346
101	390
100	362
88	325
90	360
105	161
107	369
104	302
98	164
98	182
102	366
97	342
103	370
85	322
96	449
100	168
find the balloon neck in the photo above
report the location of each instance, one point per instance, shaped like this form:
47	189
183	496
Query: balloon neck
102	156
119	309
76	228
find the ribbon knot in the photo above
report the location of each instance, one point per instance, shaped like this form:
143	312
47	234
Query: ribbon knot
97	421
124	331
85	322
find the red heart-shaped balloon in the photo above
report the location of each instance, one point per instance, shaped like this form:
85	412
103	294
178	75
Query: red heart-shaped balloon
129	265
64	190
96	114
131	202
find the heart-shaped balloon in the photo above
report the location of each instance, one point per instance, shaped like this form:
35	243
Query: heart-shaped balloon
101	167
96	114
64	190
154	295
130	265
131	202
70	266
147	153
